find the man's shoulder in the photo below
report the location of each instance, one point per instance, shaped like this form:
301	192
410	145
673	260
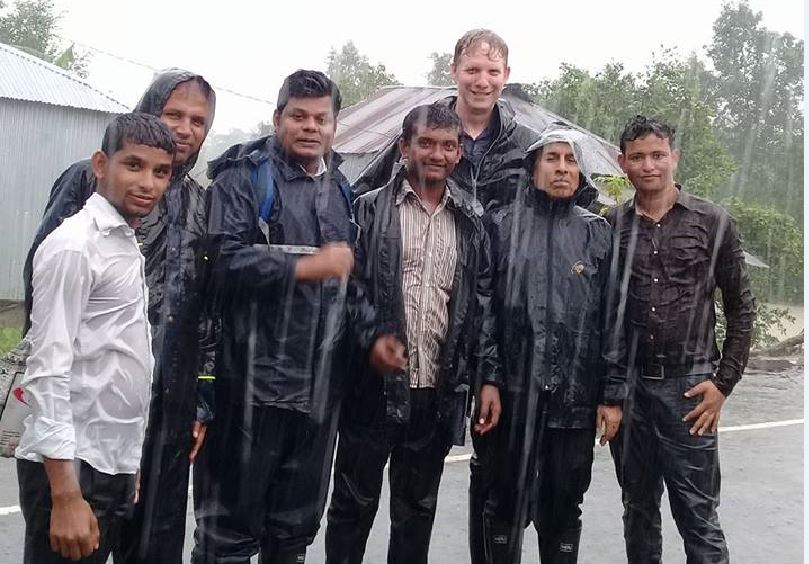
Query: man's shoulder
73	234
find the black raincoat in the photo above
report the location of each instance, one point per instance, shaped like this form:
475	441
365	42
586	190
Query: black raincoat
274	336
171	239
493	181
469	357
552	261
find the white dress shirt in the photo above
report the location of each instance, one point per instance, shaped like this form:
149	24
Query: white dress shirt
88	379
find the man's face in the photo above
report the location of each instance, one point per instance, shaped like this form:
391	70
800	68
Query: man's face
649	163
133	178
305	128
480	75
556	171
431	153
186	114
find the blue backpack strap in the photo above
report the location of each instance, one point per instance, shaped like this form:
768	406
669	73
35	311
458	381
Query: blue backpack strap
264	185
345	190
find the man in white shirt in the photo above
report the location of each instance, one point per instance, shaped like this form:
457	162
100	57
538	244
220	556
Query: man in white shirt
89	375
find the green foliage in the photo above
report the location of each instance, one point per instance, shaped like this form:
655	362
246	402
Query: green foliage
355	76
777	239
768	325
9	337
757	90
31	26
670	88
439	75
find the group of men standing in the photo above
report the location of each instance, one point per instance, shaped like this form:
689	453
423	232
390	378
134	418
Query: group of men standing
462	271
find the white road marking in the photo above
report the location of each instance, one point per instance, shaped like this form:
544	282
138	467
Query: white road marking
13	509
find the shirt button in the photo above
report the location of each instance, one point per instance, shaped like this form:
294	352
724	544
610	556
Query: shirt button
654	252
653	308
171	318
651	337
655	280
657	224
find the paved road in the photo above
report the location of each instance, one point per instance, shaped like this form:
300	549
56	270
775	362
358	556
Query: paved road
762	492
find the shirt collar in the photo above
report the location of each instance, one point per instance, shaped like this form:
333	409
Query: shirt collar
321	168
105	215
683	199
407	191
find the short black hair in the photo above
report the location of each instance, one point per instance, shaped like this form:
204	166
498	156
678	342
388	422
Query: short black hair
641	126
138	129
434	116
308	84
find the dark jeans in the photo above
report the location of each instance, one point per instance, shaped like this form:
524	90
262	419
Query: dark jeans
154	533
654	448
260	485
110	497
417	450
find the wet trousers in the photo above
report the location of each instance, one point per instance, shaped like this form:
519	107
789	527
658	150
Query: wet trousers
416	450
654	448
154	532
260	484
110	497
547	489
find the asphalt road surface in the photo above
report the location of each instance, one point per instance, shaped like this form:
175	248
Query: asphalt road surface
761	449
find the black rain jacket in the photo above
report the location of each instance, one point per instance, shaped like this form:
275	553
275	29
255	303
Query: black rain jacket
279	342
469	356
493	181
556	315
171	240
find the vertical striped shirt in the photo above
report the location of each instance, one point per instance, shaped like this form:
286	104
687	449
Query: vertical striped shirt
428	270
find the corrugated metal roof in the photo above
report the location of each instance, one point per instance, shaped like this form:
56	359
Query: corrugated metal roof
25	77
368	126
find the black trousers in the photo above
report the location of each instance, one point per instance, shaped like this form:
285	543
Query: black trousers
416	450
654	448
110	497
260	485
154	532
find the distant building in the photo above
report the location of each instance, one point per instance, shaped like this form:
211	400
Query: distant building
48	120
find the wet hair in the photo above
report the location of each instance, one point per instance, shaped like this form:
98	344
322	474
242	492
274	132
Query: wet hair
308	84
641	126
433	116
137	129
475	37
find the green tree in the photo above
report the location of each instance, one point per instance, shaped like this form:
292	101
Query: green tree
439	75
670	88
356	77
31	26
757	87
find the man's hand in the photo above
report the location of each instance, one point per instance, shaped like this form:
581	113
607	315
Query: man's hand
706	413
74	527
609	418
198	434
387	355
136	497
333	260
490	409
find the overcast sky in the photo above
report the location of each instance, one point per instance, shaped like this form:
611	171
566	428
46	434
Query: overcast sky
249	47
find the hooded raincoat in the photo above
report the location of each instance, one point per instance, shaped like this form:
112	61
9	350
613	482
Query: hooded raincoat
171	240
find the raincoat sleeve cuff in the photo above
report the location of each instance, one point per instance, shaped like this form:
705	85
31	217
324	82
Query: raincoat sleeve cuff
205	398
725	383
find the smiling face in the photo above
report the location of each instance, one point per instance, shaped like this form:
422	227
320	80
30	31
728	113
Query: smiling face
480	75
431	154
556	171
305	128
133	178
186	113
649	162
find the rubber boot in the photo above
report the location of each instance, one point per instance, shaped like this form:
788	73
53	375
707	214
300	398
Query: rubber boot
564	550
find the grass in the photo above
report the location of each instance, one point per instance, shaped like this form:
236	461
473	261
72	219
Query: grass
9	337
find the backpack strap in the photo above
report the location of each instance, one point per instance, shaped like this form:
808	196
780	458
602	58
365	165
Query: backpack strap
263	181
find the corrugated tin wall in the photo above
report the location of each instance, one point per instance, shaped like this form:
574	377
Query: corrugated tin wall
37	142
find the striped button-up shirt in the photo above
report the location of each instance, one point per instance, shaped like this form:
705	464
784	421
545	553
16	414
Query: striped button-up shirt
428	269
